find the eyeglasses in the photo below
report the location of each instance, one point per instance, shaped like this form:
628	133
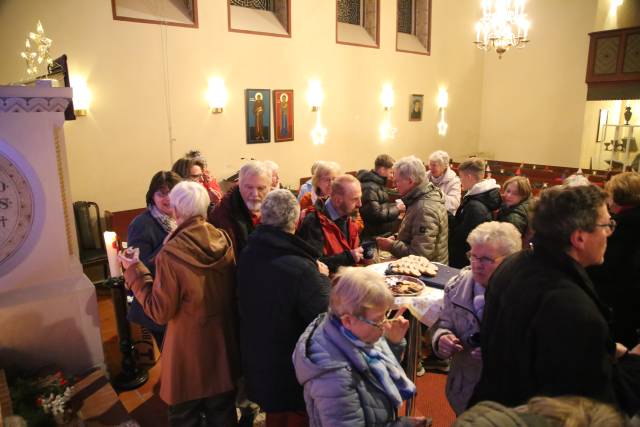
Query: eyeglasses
483	259
612	225
379	325
162	194
198	177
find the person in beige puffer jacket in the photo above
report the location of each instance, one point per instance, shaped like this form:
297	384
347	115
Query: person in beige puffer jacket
424	229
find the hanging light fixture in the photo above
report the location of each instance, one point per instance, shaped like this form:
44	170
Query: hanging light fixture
503	25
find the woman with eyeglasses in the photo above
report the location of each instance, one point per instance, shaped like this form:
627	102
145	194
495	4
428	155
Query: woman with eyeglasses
456	334
347	359
147	232
617	280
193	167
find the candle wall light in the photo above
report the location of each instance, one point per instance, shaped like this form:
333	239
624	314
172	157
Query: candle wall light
442	102
217	95
386	129
81	96
315	98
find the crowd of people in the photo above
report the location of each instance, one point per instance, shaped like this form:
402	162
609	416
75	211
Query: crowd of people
257	299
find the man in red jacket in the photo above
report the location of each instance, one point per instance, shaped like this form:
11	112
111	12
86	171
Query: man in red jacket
331	230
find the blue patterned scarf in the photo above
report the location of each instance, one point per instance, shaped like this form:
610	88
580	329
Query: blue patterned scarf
387	370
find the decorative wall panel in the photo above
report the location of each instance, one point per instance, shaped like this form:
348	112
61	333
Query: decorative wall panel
349	11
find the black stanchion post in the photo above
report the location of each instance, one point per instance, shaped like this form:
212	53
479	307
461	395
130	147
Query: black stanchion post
131	377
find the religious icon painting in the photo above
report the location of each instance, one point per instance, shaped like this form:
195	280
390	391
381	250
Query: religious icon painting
258	112
283	115
415	107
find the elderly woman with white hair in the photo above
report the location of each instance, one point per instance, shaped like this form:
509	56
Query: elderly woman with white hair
457	333
275	176
326	172
347	359
193	294
281	289
443	177
424	230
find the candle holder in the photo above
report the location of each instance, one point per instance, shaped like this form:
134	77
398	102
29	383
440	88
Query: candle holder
131	377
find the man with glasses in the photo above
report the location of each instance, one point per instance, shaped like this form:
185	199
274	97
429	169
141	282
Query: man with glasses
545	331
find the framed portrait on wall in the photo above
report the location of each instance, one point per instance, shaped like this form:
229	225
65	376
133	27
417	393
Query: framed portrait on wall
258	114
283	115
415	107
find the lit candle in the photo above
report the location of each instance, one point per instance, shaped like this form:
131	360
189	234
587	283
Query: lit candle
111	246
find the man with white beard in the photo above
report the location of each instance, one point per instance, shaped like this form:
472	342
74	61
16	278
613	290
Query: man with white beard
239	211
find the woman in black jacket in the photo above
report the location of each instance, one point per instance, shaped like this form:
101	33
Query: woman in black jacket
147	232
281	289
516	194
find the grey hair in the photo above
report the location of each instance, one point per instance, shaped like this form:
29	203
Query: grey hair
189	199
441	157
411	167
271	165
255	167
576	180
324	168
280	209
503	235
357	290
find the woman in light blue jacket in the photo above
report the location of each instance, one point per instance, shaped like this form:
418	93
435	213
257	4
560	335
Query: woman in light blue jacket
347	359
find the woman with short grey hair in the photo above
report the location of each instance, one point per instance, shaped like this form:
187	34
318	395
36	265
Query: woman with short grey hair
281	289
194	278
280	209
348	359
326	172
457	332
443	177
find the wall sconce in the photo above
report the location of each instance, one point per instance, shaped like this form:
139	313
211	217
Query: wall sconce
81	96
615	4
217	95
442	102
386	97
315	97
386	129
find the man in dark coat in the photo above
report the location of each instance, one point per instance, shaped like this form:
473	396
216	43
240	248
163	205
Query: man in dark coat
545	330
239	210
378	213
280	291
481	199
331	230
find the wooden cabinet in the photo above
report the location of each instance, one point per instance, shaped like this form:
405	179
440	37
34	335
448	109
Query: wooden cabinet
614	56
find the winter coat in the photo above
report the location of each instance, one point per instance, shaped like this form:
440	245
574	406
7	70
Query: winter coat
458	317
233	217
544	331
518	215
332	246
477	207
377	212
449	184
280	291
339	387
193	294
146	234
617	281
424	229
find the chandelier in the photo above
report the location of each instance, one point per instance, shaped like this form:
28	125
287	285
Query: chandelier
503	25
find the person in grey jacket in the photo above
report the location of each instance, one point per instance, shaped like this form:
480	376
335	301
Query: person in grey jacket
456	333
347	359
424	229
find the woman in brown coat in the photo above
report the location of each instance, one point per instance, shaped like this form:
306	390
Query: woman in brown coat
193	294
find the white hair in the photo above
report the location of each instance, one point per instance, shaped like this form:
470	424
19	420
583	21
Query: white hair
411	167
441	157
280	209
255	167
503	235
576	180
189	199
357	290
271	165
